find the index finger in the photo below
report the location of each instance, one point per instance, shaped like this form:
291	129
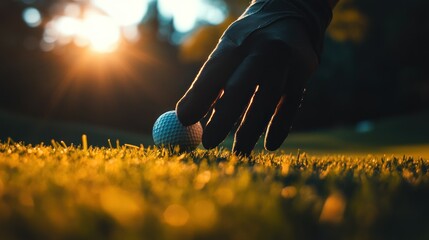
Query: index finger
208	84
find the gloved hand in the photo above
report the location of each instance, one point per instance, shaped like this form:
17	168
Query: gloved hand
257	73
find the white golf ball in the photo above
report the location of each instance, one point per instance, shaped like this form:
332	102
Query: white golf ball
169	132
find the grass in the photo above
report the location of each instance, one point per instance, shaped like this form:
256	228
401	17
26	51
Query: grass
60	191
398	135
347	185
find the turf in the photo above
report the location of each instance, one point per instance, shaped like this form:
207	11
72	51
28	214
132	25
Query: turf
60	191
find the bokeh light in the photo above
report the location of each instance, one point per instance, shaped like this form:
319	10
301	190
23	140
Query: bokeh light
32	17
183	13
186	14
176	215
72	10
124	12
131	33
101	25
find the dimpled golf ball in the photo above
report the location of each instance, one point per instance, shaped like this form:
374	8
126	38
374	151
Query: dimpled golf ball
169	132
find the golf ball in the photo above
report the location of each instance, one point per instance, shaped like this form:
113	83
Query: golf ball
169	132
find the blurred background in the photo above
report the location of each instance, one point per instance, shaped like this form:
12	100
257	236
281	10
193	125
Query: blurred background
113	66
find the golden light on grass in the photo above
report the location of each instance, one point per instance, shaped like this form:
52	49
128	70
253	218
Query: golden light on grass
202	179
244	180
84	142
2	188
121	205
204	213
308	193
26	199
285	168
289	192
56	217
229	169
176	215
333	209
149	193
224	195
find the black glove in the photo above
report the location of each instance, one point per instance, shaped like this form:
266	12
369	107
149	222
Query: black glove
257	73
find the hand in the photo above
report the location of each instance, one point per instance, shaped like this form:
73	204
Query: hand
256	75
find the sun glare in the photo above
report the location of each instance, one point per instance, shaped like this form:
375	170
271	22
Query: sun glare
102	33
67	26
100	26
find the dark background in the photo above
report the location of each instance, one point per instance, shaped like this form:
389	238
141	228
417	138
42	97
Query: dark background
375	65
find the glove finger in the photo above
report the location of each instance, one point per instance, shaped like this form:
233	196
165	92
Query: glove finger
260	110
282	120
208	84
237	94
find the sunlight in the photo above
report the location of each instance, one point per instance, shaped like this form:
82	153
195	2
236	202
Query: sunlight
183	17
187	13
98	32
72	10
124	12
101	25
66	26
101	31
